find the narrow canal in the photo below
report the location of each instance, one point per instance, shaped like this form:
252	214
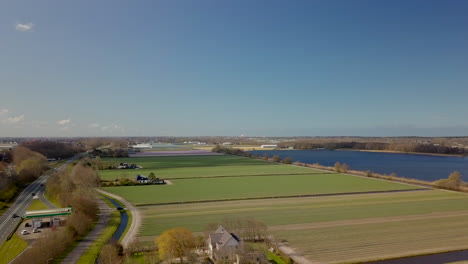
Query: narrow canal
123	219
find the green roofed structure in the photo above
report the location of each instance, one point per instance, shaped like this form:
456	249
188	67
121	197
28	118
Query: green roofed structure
47	212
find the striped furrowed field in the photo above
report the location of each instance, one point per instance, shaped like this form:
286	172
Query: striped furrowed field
287	212
374	241
336	229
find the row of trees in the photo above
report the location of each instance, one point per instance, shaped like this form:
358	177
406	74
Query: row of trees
239	152
110	152
181	245
400	147
74	187
454	181
53	150
17	168
339	167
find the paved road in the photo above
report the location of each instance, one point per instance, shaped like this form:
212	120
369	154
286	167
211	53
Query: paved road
7	222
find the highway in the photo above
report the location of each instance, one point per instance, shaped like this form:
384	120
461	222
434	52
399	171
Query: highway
7	222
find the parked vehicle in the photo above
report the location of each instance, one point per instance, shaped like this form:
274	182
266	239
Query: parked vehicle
119	208
24	232
27	225
33	194
36	230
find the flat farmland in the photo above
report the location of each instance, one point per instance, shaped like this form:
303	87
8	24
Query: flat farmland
298	213
337	229
375	241
215	171
225	188
327	217
200	166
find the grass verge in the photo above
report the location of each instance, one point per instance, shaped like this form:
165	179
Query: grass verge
93	251
12	248
37	205
52	200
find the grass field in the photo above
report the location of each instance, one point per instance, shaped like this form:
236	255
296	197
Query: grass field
199	166
215	171
251	187
37	205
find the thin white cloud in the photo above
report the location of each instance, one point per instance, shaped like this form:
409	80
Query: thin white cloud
94	125
64	122
3	111
24	27
15	119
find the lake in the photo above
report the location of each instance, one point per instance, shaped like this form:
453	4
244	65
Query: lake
422	167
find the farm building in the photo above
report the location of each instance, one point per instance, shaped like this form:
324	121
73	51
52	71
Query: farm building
269	146
126	166
142	179
224	246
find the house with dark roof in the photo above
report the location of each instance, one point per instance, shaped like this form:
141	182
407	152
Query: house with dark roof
142	179
224	246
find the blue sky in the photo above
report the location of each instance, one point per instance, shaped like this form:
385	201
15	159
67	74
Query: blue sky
258	68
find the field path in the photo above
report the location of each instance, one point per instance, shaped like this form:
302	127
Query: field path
136	218
81	248
299	259
366	221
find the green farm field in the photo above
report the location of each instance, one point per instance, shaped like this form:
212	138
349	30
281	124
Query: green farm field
206	189
286	212
337	229
197	166
199	172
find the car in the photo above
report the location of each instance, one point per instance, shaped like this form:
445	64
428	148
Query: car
27	225
24	232
119	208
14	216
36	230
33	194
42	184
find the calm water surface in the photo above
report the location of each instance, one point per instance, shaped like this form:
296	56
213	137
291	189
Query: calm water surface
423	167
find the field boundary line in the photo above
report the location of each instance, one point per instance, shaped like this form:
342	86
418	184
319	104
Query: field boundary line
365	177
374	220
282	197
250	175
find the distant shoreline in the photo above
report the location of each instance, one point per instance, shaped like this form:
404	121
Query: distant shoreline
401	152
377	151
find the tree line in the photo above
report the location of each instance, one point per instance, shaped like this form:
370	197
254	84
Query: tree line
400	147
19	167
73	186
239	152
